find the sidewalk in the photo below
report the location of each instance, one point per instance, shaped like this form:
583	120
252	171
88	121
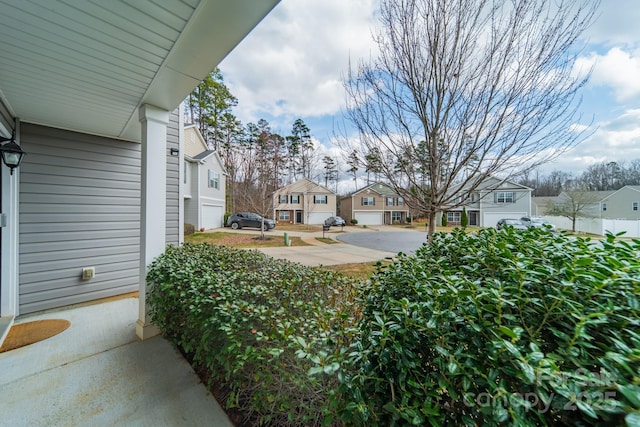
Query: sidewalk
318	253
98	373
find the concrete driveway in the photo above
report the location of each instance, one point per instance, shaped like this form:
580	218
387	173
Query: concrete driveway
388	241
327	254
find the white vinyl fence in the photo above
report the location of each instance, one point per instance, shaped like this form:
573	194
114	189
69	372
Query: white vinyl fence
598	225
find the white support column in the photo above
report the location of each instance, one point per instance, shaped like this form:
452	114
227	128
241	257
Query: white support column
9	221
152	203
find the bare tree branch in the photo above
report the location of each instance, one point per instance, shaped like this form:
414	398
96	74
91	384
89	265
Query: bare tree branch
467	89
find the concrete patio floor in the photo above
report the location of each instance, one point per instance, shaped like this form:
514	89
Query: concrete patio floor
98	373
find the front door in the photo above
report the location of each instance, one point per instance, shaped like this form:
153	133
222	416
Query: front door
298	217
473	218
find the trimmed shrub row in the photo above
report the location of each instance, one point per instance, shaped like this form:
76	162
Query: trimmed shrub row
500	328
484	329
269	331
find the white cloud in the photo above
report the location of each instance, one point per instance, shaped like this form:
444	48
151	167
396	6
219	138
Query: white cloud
615	140
291	65
616	23
617	69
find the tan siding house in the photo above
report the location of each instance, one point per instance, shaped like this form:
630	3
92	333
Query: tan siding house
375	204
304	202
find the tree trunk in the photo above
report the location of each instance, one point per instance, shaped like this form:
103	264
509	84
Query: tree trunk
431	225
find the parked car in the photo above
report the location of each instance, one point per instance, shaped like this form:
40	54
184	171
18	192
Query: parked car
249	219
335	220
511	222
534	221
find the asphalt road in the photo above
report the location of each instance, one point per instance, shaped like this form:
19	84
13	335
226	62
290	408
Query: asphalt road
389	241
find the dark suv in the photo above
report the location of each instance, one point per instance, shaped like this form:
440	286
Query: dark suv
249	219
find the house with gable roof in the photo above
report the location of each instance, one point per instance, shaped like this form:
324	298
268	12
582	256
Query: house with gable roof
375	204
492	200
303	202
100	185
204	182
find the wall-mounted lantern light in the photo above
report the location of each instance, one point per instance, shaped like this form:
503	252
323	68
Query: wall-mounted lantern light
12	154
174	151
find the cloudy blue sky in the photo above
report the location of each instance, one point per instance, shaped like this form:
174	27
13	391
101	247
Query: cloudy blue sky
292	65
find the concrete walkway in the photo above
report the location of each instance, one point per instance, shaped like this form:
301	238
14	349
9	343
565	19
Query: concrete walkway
327	254
98	373
318	253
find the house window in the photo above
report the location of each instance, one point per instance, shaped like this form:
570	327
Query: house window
214	180
400	201
389	201
295	198
634	206
320	200
505	197
185	172
474	197
396	216
282	198
284	216
453	217
604	207
368	201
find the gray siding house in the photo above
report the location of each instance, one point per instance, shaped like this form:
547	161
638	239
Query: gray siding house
622	204
204	182
90	91
492	200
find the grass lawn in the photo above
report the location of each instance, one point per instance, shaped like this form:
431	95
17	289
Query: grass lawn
359	271
309	228
326	240
242	240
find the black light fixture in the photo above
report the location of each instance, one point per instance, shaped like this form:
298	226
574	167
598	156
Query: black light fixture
174	151
12	154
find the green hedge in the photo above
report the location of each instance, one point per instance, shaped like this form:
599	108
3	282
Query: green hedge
500	328
483	329
270	332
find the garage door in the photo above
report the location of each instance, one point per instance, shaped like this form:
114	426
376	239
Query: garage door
491	219
318	217
369	218
211	216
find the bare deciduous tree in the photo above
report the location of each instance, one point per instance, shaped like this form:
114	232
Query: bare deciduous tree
575	203
465	89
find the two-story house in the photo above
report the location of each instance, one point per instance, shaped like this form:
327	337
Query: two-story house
492	200
203	182
303	202
375	204
622	204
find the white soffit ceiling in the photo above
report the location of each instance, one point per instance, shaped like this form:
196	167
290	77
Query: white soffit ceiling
87	65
